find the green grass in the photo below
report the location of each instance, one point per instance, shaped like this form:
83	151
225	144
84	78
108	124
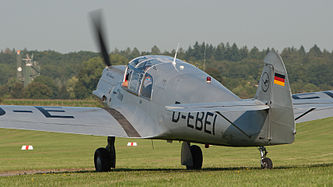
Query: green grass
237	177
308	161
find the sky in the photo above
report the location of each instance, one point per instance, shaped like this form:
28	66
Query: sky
64	25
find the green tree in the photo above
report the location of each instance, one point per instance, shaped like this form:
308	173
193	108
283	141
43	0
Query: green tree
234	53
155	50
254	53
49	83
315	51
70	87
38	90
135	53
117	59
220	52
88	76
12	89
301	51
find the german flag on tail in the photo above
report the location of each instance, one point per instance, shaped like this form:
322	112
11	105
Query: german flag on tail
279	79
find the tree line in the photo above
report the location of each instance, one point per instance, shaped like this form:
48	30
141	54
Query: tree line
75	75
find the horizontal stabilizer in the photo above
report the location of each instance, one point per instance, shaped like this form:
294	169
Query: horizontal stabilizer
313	106
243	105
312	103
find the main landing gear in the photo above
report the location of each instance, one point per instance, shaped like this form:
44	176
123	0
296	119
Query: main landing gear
105	158
266	163
191	156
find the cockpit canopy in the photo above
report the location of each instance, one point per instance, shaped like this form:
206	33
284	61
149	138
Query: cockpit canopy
144	62
137	80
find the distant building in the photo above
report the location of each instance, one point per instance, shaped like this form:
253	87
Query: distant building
27	68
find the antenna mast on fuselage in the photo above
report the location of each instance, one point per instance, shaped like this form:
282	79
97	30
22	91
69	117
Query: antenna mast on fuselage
174	59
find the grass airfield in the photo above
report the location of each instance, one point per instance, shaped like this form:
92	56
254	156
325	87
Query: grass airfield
308	161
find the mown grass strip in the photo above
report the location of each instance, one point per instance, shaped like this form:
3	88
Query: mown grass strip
306	162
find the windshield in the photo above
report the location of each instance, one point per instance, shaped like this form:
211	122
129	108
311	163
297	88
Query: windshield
143	63
136	78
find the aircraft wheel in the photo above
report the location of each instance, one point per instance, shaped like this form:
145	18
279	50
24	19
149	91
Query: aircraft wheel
196	157
266	163
102	160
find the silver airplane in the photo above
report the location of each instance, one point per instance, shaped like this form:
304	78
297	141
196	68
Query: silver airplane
162	97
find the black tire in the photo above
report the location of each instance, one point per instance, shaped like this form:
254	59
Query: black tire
104	98
102	160
196	157
266	163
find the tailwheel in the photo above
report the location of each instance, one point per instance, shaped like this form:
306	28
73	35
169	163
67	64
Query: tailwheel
102	160
266	163
196	157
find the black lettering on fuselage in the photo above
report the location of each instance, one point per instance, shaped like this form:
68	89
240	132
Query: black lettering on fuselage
199	119
202	121
23	111
2	112
189	116
214	124
208	122
175	119
46	113
329	93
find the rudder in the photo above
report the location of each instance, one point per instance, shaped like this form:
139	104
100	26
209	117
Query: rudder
274	90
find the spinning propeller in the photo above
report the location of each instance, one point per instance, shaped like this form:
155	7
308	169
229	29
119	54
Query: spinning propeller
96	18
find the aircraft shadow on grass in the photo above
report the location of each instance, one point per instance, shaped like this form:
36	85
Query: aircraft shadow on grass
203	169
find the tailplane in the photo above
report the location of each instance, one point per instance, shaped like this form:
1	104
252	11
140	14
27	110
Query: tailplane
274	90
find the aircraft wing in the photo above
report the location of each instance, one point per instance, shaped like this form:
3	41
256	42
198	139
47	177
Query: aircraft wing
232	106
312	106
76	120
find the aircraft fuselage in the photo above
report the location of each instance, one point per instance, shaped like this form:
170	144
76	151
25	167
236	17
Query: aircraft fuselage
181	83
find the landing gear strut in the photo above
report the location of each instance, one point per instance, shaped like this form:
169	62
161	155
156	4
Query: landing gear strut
266	163
105	158
191	156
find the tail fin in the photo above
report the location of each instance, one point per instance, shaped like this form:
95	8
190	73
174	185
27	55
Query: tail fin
274	90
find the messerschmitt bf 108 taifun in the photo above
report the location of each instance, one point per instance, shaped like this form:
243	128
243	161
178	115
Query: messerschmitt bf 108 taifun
162	97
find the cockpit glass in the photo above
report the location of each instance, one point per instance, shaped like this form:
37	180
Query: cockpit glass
137	80
147	86
136	61
143	63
